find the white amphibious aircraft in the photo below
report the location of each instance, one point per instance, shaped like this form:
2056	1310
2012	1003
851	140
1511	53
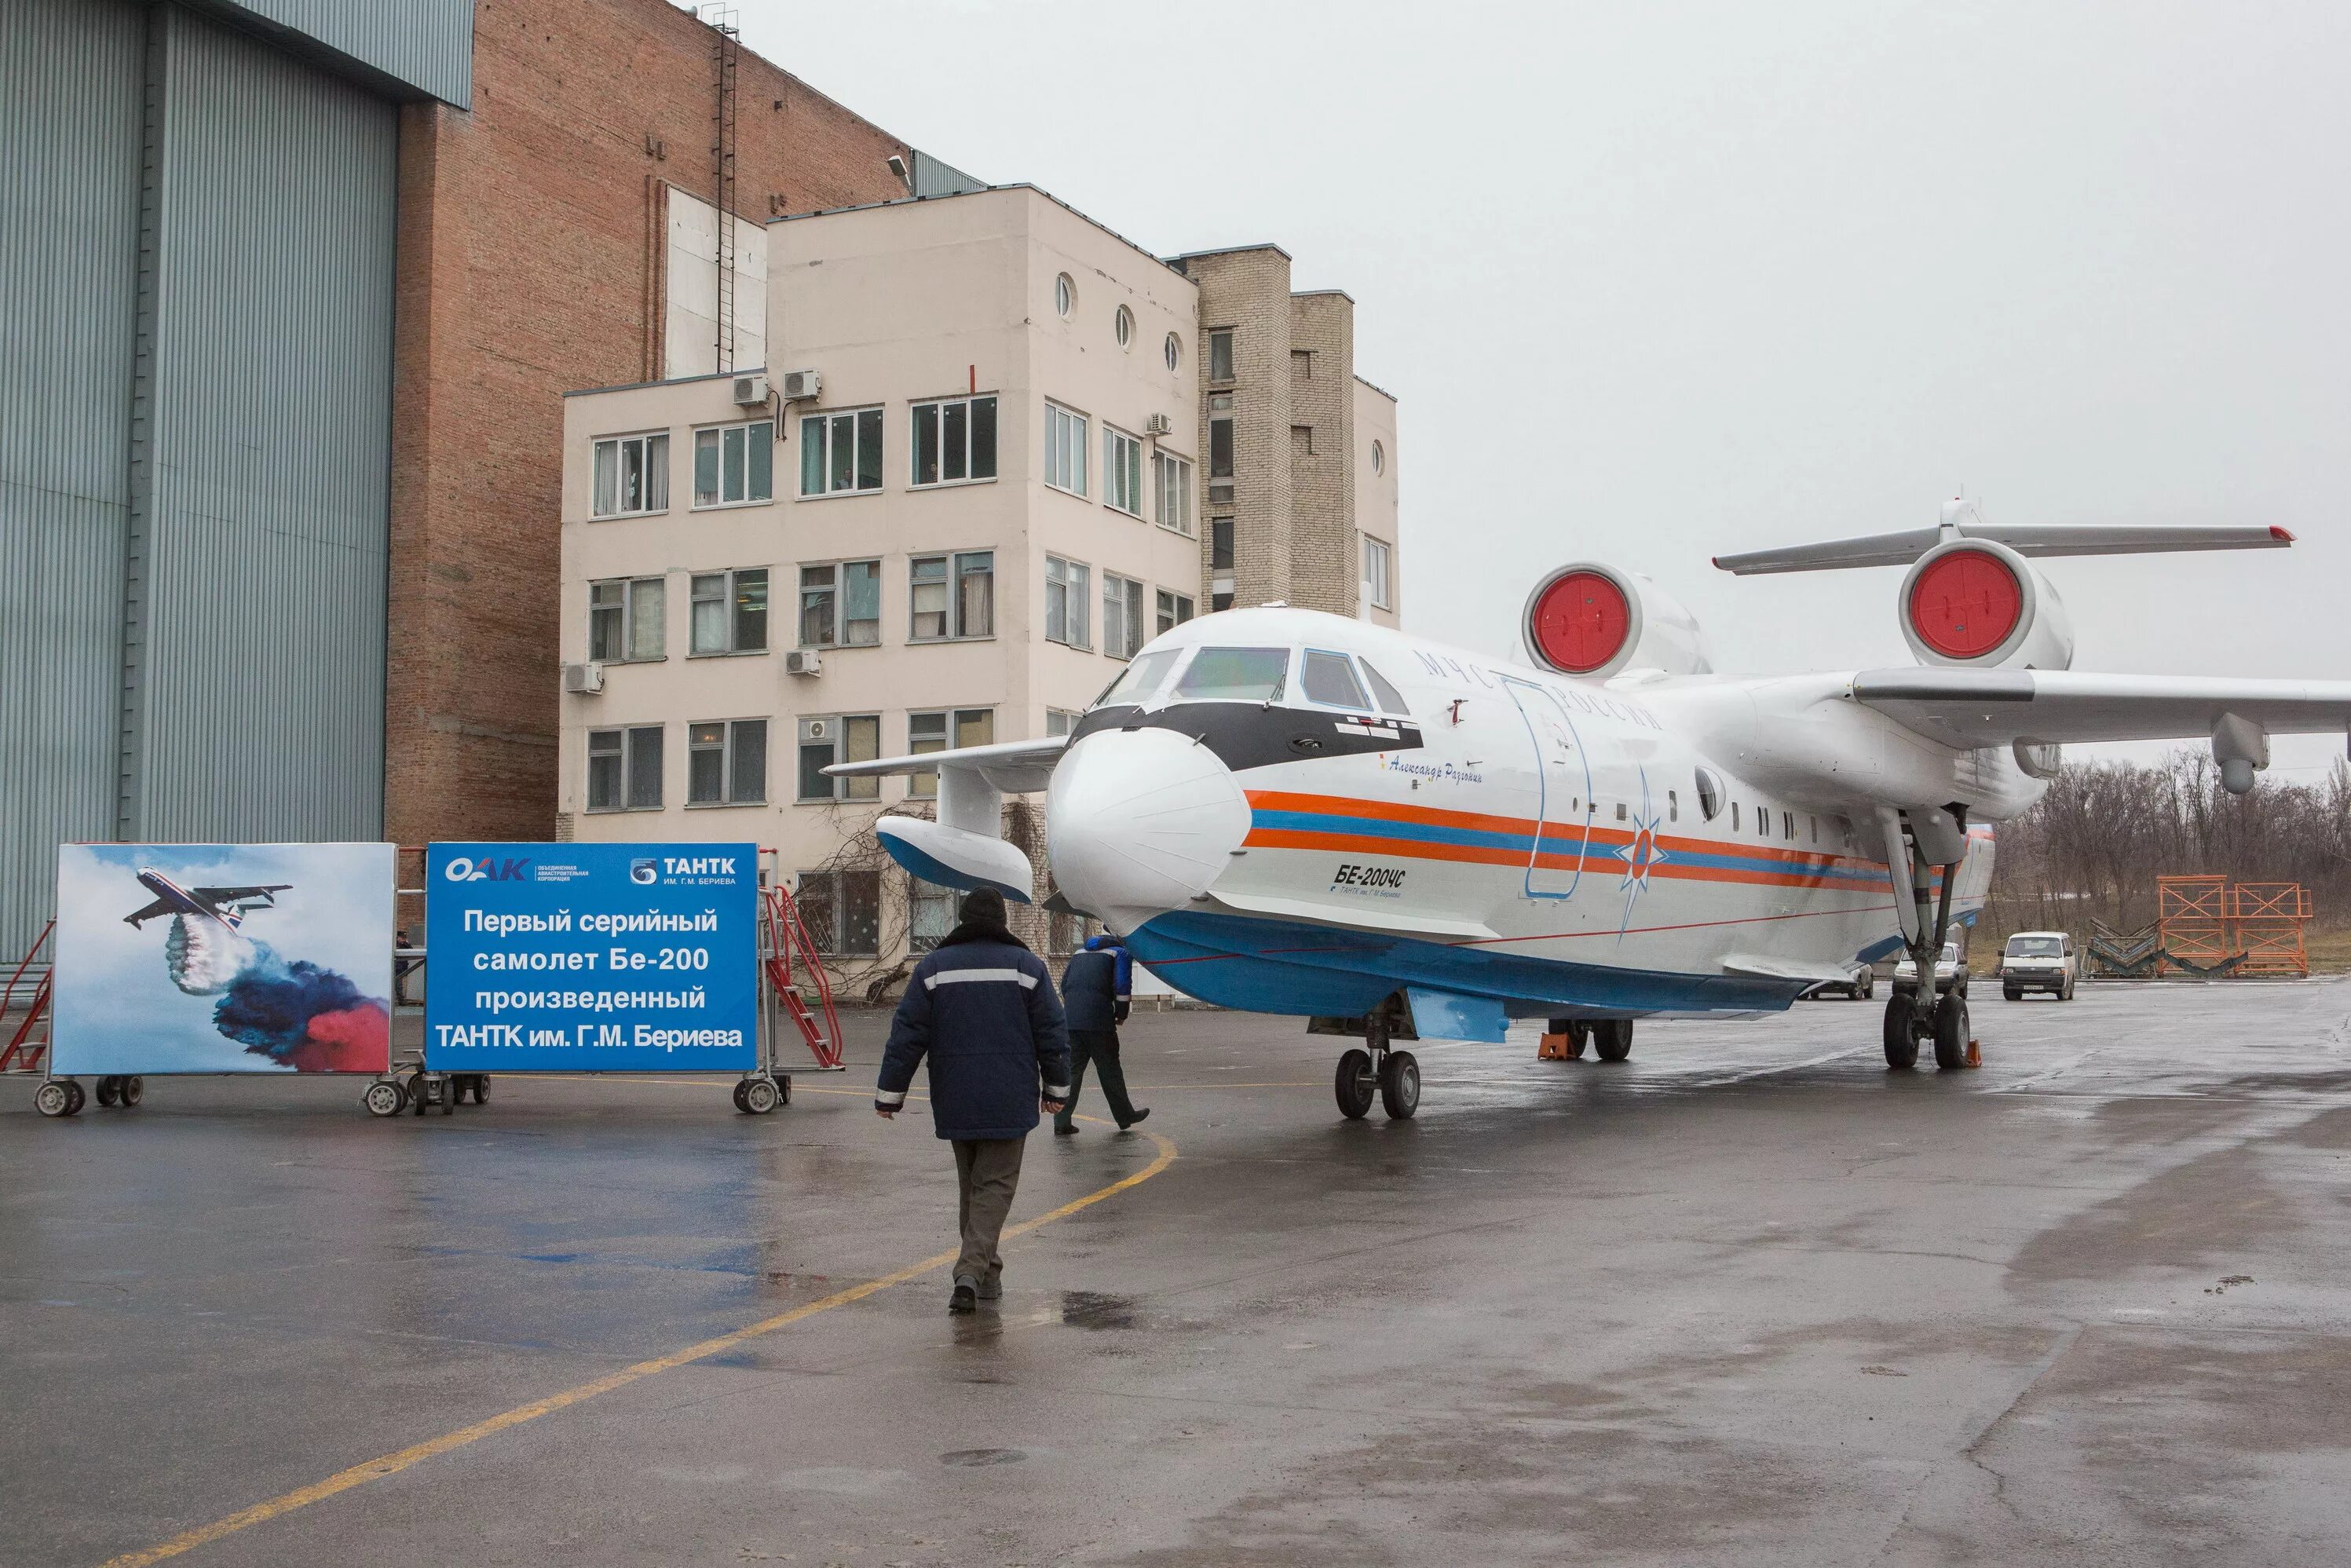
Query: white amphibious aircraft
1291	812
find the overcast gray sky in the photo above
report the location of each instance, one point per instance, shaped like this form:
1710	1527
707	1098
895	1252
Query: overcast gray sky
1657	281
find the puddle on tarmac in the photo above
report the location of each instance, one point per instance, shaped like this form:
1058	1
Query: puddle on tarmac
1090	1310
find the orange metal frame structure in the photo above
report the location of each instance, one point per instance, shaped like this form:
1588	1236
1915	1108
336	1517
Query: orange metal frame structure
2214	927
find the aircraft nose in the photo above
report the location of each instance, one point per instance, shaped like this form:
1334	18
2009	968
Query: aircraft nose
1140	821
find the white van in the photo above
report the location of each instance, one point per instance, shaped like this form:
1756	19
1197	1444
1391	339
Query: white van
2040	961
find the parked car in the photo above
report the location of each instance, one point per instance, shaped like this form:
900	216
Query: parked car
2040	961
1860	984
1950	971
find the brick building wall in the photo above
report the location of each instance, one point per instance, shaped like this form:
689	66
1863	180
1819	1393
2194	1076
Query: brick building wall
1322	571
532	234
1247	291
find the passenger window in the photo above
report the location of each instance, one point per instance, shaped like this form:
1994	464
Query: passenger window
1734	816
1673	807
1391	699
1330	679
1236	675
1709	796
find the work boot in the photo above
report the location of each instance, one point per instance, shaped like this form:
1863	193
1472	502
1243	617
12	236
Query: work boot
1141	1111
991	1289
1064	1129
964	1297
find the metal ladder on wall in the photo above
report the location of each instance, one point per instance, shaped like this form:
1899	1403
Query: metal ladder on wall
726	45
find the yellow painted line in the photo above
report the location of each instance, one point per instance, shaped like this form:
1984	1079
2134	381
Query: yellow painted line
392	1464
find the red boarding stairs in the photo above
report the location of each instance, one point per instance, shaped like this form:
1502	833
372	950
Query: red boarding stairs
785	943
29	1041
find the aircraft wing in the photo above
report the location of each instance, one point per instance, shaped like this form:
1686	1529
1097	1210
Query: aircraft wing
1995	707
232	894
155	911
1014	767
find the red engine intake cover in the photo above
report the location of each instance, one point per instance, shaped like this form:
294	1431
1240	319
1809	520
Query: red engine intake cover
1580	622
1966	603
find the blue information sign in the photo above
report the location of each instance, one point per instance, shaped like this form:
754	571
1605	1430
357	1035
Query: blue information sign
590	957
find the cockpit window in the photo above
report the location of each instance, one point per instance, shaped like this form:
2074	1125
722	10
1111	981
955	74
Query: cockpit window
1391	699
1235	674
1140	678
1330	679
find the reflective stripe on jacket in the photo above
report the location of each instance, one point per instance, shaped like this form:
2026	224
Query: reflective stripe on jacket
983	1010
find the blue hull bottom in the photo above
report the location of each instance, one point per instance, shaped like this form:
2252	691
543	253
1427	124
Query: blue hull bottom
1282	967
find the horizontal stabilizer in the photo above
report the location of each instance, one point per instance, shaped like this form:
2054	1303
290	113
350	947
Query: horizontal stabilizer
2025	538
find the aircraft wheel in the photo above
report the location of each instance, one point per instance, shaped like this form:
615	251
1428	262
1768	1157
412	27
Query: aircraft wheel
1611	1038
133	1090
1901	1039
1951	1031
760	1096
384	1097
1577	1033
106	1090
1399	1085
53	1098
1868	987
1352	1084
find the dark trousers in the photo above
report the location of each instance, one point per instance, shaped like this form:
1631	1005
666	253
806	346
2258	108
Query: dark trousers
1099	1046
987	1173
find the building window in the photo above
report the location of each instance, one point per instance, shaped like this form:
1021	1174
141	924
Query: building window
1221	600
1172	481
930	914
1378	579
850	737
1061	721
734	463
955	440
1301	364
841	605
1122	472
625	619
730	611
1122	616
1122	326
1220	446
1302	441
631	475
1065	449
953	606
1175	608
1174	350
1067	584
843	911
1065	293
1379	458
840	453
624	769
929	732
1220	355
1220	544
727	763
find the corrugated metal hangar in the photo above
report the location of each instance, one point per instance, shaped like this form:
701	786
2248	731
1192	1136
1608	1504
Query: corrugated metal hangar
195	408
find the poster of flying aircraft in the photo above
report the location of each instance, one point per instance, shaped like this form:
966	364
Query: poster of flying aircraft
224	959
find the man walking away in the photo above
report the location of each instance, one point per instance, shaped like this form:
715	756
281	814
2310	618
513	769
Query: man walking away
981	1006
1096	990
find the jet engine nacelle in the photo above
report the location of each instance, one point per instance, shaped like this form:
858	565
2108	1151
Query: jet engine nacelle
1595	620
1977	604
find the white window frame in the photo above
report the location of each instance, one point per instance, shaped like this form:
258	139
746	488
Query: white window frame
823	423
1061	721
633	588
950	724
837	588
1171	609
628	737
956	629
729	747
1171	482
731	616
1379	585
652	447
935	409
1121	471
1066	433
1123	618
835	745
1073	580
754	436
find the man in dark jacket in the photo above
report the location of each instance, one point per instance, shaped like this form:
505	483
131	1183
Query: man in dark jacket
1096	991
981	1006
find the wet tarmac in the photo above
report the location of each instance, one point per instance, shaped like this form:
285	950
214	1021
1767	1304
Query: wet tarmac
1745	1298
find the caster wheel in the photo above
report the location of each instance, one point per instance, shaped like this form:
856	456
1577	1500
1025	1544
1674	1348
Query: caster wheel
1399	1085
106	1091
130	1090
419	1091
481	1088
760	1096
53	1098
1951	1031
1352	1084
1901	1037
449	1095
784	1088
384	1097
738	1097
1611	1038
75	1097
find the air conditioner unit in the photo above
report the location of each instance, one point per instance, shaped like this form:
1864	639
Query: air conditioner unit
751	390
802	662
815	729
1157	424
583	680
801	386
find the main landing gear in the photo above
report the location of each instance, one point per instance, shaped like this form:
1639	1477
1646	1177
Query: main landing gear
1375	1066
1930	1008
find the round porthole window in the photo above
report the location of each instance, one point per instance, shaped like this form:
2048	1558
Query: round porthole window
1122	324
1379	458
1175	351
1065	293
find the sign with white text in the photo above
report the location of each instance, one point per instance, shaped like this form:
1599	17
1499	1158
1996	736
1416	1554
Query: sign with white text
591	957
